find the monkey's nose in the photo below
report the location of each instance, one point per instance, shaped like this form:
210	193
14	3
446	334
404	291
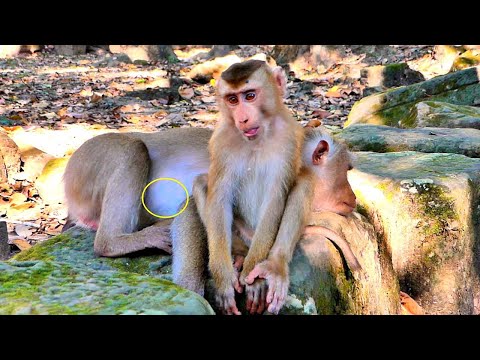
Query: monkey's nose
244	121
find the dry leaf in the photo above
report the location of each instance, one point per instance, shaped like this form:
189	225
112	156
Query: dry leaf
62	112
161	113
50	115
186	92
133	119
86	93
40	105
321	113
17	198
313	123
24	212
208	99
24	230
410	306
21	244
333	94
95	98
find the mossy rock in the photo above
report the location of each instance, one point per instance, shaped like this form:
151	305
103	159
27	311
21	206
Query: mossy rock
394	107
320	281
391	75
381	138
426	208
63	276
467	59
442	114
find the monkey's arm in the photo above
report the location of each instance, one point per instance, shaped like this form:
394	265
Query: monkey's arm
275	268
218	214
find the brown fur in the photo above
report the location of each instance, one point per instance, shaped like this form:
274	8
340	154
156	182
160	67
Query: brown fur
240	72
263	172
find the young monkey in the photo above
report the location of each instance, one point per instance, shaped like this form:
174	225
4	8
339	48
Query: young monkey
255	161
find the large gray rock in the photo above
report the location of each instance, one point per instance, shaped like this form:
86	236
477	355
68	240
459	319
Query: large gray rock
381	138
394	107
426	209
320	281
63	276
442	114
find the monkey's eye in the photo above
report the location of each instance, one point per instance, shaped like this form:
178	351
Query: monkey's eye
350	167
232	100
250	96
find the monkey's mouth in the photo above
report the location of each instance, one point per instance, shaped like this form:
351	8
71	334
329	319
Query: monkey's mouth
251	132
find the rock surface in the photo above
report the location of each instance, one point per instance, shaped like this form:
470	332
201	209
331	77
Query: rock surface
442	114
394	107
381	138
320	281
62	276
426	209
391	75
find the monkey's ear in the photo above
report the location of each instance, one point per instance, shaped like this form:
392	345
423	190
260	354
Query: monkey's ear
281	79
320	153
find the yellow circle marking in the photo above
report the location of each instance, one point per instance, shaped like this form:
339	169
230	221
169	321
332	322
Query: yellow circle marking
165	179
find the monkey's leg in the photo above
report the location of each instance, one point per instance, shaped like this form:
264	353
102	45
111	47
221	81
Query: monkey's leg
121	206
190	251
240	232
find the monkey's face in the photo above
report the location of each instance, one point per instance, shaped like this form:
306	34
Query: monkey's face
335	194
332	189
250	106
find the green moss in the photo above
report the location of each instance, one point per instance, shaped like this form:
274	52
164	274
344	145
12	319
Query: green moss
362	210
41	251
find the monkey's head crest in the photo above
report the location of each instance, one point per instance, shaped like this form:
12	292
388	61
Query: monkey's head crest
238	73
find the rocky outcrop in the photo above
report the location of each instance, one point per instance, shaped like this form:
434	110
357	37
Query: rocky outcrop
426	210
63	276
381	138
394	107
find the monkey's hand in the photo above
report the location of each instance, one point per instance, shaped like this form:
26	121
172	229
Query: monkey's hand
276	275
225	293
256	296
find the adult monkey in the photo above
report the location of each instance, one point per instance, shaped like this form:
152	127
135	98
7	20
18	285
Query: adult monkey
255	162
327	163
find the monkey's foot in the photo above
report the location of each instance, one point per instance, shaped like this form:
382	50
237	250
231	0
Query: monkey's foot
158	237
256	296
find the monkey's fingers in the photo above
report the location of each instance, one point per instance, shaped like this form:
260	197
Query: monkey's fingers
277	294
226	302
237	286
238	262
258	271
262	300
256	296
